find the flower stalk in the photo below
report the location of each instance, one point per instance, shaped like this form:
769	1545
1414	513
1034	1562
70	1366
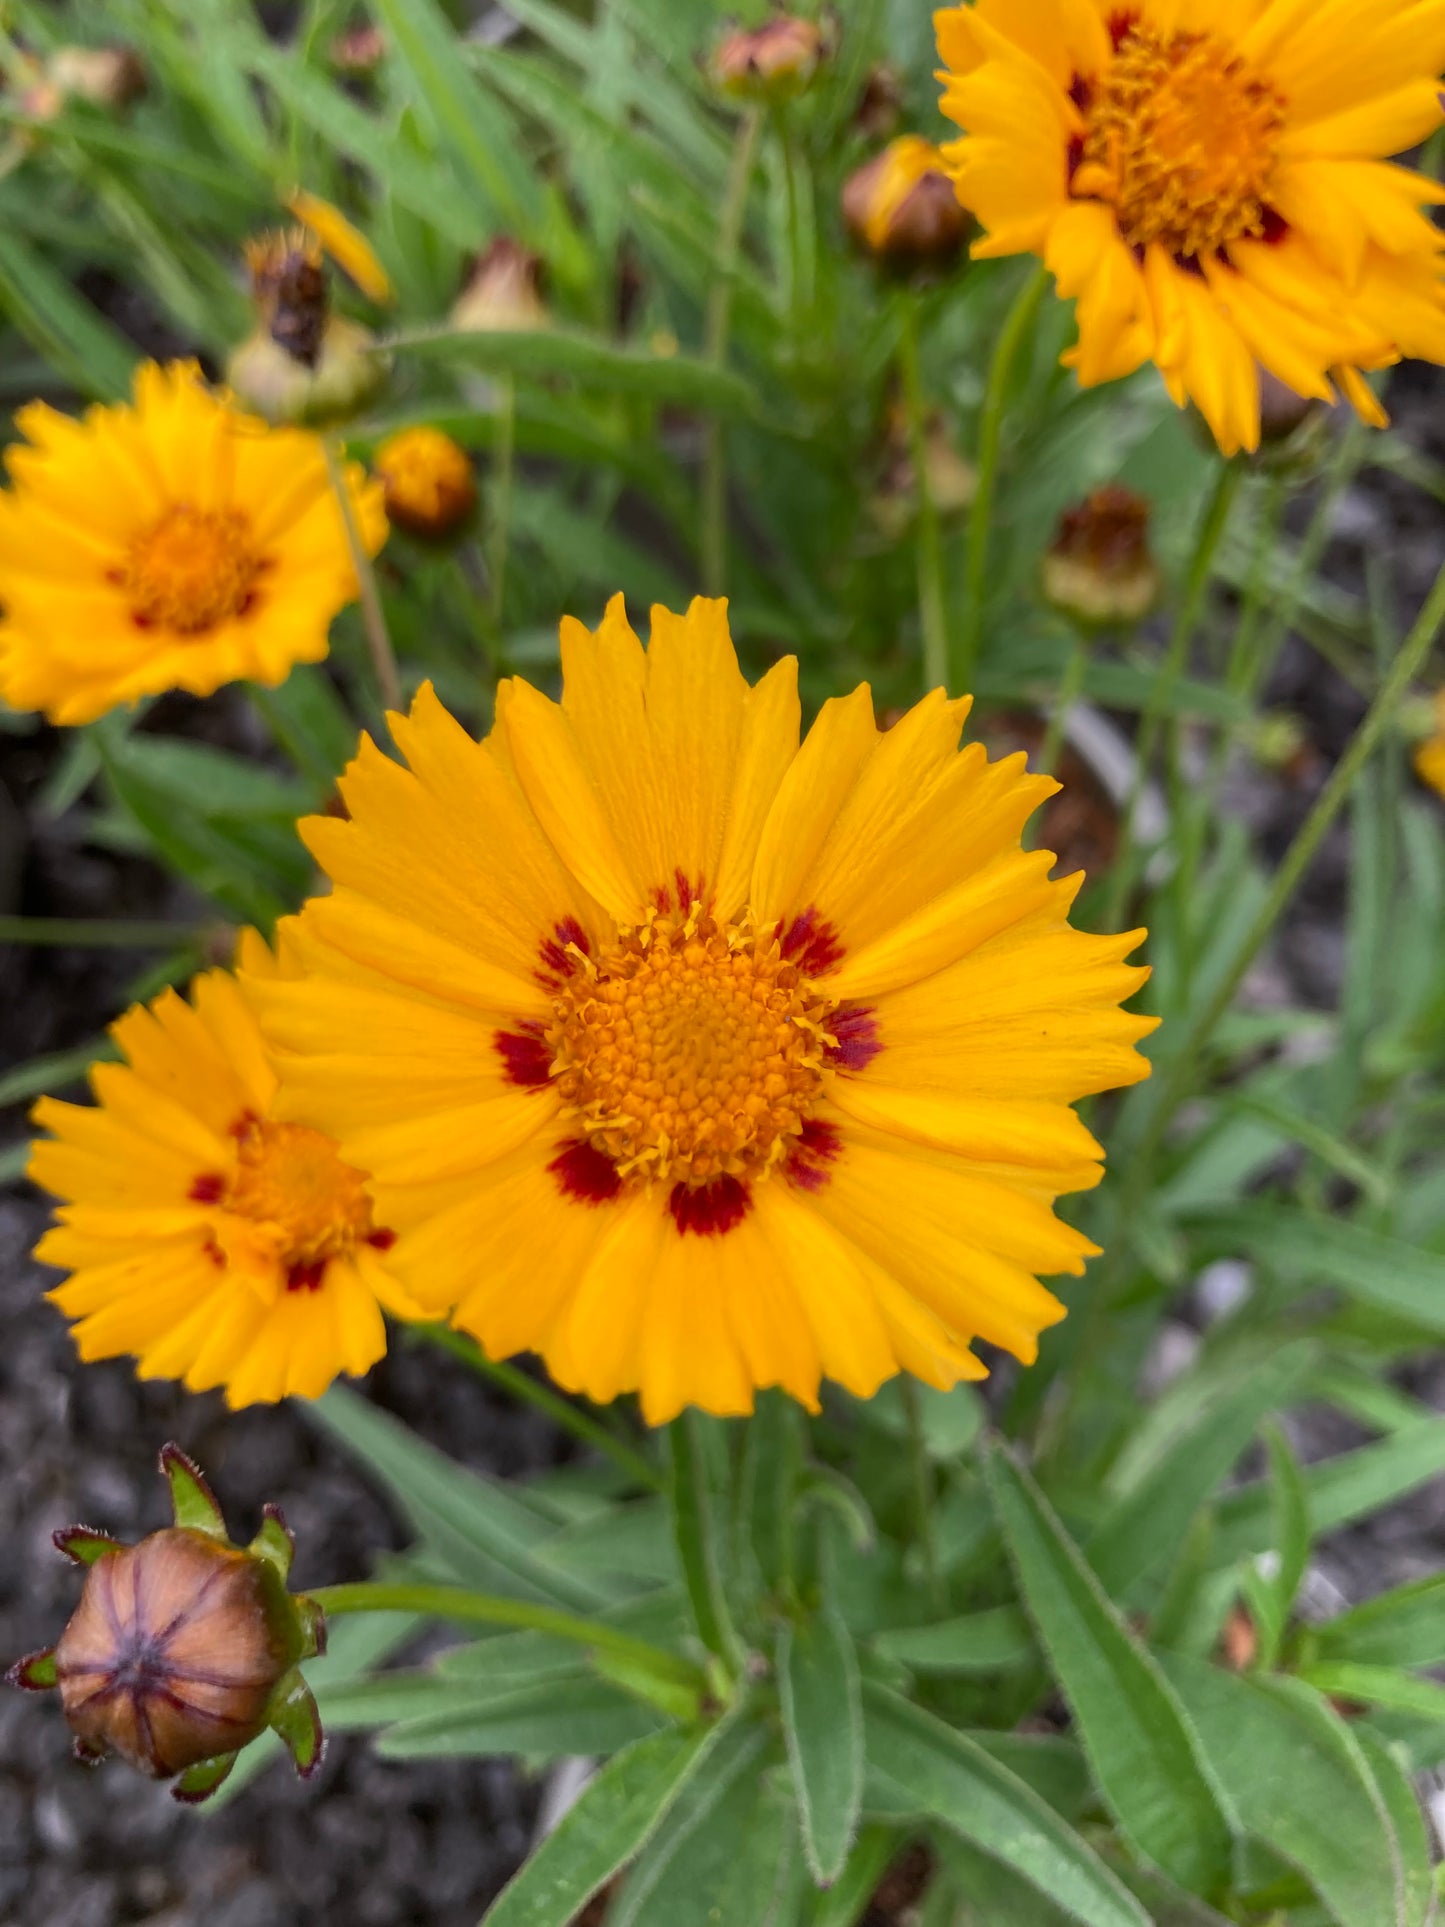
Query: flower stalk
373	615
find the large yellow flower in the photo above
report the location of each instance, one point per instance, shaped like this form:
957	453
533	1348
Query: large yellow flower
1205	176
175	543
211	1240
696	1061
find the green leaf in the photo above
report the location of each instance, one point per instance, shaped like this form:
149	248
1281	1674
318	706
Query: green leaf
541	1721
768	1482
84	1544
310	721
1272	1595
296	1722
592	362
488	1536
274	1542
940	1772
1386	1272
1303	1789
991	1641
200	1782
821	1701
844	1904
1339	1490
74	338
1405	1627
1148	1528
610	1825
1145	1758
55	1072
1377	1686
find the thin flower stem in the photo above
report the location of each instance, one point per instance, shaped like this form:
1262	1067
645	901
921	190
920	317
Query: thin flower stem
1071	687
715	339
932	598
1166	683
1332	798
373	616
1020	320
95	933
562	1412
696	1534
503	477
461	1607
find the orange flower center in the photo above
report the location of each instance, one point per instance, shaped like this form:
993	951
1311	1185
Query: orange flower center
192	569
691	1050
305	1204
1183	137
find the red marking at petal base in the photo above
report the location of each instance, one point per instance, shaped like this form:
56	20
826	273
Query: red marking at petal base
244	1124
710	1210
584	1173
207	1188
817	1146
308	1274
214	1252
687	893
525	1055
812	943
554	952
1121	24
381	1240
662	898
1276	227
855	1027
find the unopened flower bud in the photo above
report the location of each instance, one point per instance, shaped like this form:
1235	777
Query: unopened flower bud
503	293
770	63
360	50
1100	570
430	487
902	205
184	1648
109	77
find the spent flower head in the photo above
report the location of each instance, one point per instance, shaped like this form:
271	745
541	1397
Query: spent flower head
1100	569
184	1648
903	207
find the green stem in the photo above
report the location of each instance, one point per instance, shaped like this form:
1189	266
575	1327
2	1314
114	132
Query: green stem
1302	852
562	1412
94	933
715	339
696	1533
504	470
1165	684
463	1608
1071	687
373	616
922	1491
932	599
1016	327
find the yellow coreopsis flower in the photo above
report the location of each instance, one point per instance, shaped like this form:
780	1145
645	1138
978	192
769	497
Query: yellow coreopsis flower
168	543
694	1060
211	1240
1207	178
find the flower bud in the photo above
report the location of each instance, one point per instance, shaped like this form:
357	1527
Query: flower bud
771	63
902	205
503	293
1100	570
348	372
430	487
183	1648
360	50
109	77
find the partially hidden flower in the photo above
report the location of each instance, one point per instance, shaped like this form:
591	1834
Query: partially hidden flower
1430	754
1208	182
184	1648
902	204
695	1060
303	362
205	1235
503	291
430	485
1100	569
770	63
343	241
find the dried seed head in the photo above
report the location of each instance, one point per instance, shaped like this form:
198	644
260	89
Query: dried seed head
503	292
288	279
1100	569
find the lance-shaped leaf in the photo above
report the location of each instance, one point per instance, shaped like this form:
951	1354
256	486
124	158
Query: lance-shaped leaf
192	1500
35	1673
200	1781
821	1699
83	1544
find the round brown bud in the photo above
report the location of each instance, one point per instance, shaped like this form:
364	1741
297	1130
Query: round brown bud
174	1652
430	487
902	205
1100	570
360	50
503	292
770	63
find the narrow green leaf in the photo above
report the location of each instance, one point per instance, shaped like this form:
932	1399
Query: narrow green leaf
296	1722
821	1700
1272	1593
873	1854
772	1464
74	338
1338	1490
1405	1627
1302	1788
56	1072
1377	1686
193	1504
1145	1757
541	1721
695	1525
940	1772
591	362
983	1642
609	1826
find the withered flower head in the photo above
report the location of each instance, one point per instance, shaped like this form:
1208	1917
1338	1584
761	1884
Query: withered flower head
503	292
184	1648
430	487
770	63
109	77
903	207
1100	569
288	279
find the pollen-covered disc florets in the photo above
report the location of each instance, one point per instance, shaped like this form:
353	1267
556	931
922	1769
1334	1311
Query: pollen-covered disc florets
192	569
690	1050
301	1205
1183	139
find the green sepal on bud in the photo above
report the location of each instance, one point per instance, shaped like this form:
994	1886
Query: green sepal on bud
184	1648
